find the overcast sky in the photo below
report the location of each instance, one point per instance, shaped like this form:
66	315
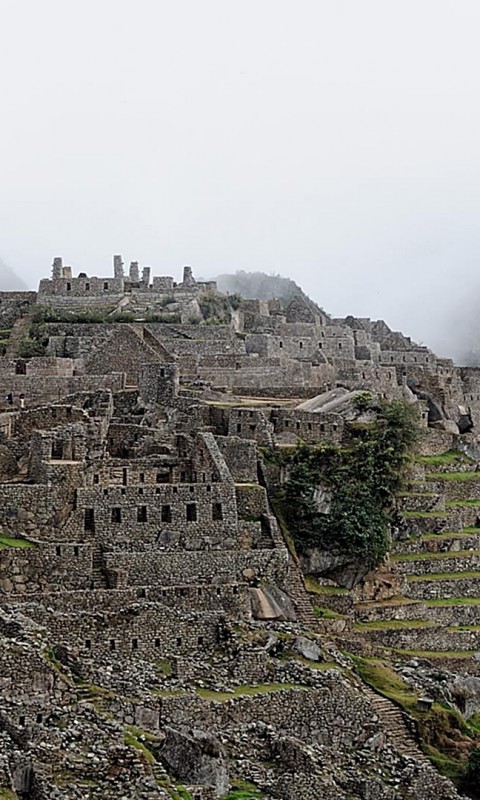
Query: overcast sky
333	141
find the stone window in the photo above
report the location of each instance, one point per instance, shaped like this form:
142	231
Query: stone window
21	721
280	344
166	513
142	514
157	642
252	428
69	411
191	512
141	593
134	644
209	488
339	345
239	427
200	641
87	287
163	477
20	368
182	477
123	491
112	644
140	491
105	286
320	345
322	428
217	512
179	642
301	345
89	519
309	426
88	644
141	477
57	450
116	514
39	718
76	550
69	287
286	423
162	373
58	550
298	426
96	478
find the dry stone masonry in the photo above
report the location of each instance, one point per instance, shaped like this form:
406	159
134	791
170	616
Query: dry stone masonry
157	638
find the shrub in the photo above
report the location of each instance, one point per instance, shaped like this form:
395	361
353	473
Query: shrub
363	480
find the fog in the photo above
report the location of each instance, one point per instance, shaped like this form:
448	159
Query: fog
331	141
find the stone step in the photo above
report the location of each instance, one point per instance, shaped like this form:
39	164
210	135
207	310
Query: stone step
421	501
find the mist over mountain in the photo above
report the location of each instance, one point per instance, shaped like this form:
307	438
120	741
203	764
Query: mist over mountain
9	281
257	285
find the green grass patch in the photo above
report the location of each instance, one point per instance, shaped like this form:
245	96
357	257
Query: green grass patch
424	514
380	676
132	741
436	653
462	504
452	476
8	794
433	556
164	665
442	576
440	537
9	541
443	459
327	613
248	691
453	601
393	625
243	790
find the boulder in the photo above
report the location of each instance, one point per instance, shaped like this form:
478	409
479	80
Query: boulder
197	757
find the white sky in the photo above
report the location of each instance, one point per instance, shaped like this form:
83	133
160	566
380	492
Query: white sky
333	141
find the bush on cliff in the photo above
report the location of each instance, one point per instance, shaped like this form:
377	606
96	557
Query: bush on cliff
361	479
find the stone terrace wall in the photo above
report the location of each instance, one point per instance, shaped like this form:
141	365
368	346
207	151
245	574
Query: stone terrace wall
214	567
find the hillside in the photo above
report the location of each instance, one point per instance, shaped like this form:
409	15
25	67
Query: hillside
238	549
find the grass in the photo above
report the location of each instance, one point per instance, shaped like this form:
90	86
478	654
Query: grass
131	741
442	576
462	504
436	653
380	676
243	790
440	537
9	541
453	601
428	556
8	794
164	666
452	476
443	459
460	628
327	613
393	625
424	514
248	691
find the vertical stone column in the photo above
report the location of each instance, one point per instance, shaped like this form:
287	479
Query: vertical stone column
134	276
118	267
57	268
188	279
146	276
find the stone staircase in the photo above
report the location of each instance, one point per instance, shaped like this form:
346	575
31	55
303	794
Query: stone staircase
18	333
401	729
99	576
299	595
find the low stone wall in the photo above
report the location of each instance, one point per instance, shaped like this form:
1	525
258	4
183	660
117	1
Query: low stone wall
430	590
425	566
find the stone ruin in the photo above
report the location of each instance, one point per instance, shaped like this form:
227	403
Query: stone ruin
157	636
